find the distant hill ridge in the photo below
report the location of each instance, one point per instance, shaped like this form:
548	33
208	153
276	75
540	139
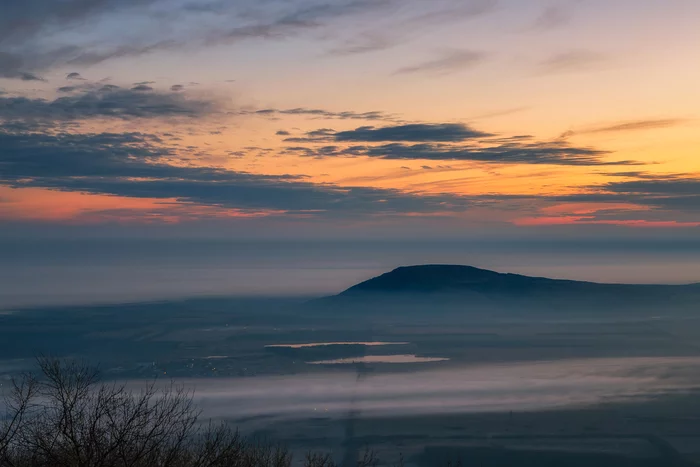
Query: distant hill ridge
458	281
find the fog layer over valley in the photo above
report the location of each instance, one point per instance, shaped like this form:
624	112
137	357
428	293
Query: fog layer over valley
57	271
504	387
515	369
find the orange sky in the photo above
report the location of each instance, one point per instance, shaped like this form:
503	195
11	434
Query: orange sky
616	82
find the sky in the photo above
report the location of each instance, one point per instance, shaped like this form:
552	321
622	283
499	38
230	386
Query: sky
350	118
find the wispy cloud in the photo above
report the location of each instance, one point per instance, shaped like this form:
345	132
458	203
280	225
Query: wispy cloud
12	67
449	62
573	60
105	101
26	28
406	29
552	17
668	193
412	132
637	125
445	142
364	43
136	165
552	153
320	113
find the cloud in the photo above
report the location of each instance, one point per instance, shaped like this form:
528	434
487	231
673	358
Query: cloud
403	30
12	67
26	76
445	142
75	76
442	132
573	60
320	113
553	153
455	11
102	102
133	165
637	125
142	88
28	29
177	87
662	192
364	43
552	17
302	18
450	62
435	132
21	21
83	56
282	133
658	186
109	87
33	32
502	113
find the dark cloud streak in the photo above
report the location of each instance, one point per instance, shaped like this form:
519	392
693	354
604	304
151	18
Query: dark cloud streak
552	153
106	101
638	125
24	27
132	165
412	132
320	113
445	142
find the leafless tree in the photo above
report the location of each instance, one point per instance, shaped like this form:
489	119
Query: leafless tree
18	404
68	418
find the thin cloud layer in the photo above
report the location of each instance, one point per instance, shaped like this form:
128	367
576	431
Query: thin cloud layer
552	17
134	165
319	113
412	132
11	66
637	125
445	142
33	32
105	101
450	62
572	60
299	56
552	153
405	30
26	28
658	193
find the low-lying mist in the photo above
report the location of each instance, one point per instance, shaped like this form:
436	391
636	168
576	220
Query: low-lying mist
532	386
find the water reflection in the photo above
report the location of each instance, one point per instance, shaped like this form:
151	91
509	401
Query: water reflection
328	344
380	359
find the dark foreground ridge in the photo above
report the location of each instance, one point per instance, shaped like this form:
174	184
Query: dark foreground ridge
463	283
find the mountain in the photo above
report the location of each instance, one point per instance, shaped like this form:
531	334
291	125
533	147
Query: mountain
465	284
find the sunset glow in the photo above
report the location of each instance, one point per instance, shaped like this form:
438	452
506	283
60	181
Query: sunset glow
483	111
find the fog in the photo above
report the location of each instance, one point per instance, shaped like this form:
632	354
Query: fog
89	271
403	371
529	386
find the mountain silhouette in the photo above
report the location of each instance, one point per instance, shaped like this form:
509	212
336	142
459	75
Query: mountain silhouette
463	284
